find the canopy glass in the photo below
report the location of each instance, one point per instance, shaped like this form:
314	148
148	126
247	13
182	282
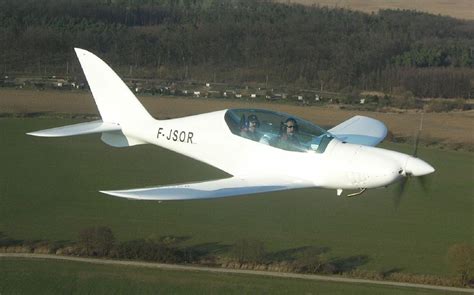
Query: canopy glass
279	130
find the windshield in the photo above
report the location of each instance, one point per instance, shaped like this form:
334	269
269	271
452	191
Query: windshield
279	130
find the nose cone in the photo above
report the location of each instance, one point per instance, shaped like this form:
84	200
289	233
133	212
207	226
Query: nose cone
417	167
369	169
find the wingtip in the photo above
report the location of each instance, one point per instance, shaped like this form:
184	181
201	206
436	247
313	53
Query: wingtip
43	133
110	193
37	134
116	194
120	195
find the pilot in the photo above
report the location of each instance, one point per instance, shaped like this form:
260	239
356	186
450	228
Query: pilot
251	132
288	139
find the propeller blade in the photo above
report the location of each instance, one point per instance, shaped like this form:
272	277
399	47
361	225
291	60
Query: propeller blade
399	191
417	138
425	184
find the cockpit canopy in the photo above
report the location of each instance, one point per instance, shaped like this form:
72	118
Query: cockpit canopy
279	130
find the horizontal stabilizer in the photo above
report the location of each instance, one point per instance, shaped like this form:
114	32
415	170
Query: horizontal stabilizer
77	129
228	187
360	130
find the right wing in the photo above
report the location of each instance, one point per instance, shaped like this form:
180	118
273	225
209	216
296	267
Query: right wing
227	187
360	130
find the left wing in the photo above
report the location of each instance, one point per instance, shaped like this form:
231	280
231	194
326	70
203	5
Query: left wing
360	130
227	187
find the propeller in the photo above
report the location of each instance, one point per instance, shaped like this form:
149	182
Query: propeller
417	137
399	191
422	180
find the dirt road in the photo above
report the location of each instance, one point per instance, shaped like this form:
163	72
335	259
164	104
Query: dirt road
231	271
450	128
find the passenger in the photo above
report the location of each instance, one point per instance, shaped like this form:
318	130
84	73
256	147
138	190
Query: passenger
250	130
288	139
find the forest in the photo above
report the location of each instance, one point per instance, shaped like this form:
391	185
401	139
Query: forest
243	41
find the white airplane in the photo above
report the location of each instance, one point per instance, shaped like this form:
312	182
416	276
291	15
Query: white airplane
284	152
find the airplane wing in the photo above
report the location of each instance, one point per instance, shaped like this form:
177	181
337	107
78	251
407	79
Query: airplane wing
77	129
360	130
227	187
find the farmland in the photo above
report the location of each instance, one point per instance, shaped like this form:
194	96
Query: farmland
49	190
460	9
450	129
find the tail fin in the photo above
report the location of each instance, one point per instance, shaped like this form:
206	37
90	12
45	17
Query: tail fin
116	103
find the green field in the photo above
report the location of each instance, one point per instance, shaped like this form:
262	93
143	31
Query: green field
59	277
49	190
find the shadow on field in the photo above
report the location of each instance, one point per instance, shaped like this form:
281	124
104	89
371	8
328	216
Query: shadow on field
7	241
208	249
292	254
347	264
388	272
32	245
171	239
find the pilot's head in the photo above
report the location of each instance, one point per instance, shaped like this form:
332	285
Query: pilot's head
253	123
291	126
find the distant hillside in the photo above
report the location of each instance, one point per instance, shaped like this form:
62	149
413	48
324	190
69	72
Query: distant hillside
463	9
244	41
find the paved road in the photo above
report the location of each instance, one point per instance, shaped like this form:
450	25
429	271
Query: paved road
232	271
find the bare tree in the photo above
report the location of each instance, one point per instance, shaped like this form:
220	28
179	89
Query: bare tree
460	257
97	241
252	251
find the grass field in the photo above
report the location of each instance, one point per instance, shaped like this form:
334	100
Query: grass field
55	277
458	9
49	190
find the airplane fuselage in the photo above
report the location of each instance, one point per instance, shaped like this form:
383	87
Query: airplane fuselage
206	138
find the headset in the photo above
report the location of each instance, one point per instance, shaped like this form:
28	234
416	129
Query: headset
253	118
283	125
244	123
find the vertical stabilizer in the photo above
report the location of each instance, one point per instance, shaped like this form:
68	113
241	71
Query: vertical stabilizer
115	101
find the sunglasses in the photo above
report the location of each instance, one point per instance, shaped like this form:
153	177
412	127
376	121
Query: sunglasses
290	126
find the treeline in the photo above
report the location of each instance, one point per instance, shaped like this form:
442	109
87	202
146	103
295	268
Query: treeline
236	41
100	242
